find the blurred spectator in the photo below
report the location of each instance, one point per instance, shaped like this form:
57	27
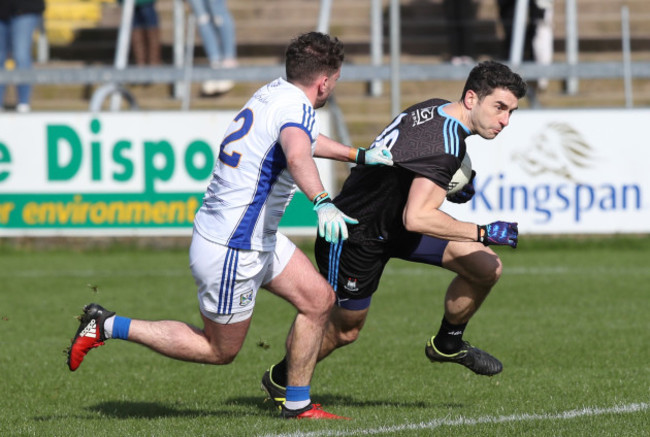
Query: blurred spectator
459	13
538	42
145	34
217	29
19	19
543	39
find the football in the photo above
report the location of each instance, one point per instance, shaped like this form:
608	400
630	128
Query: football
461	177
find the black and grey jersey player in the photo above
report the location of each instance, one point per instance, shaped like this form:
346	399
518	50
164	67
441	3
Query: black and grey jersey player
399	215
424	141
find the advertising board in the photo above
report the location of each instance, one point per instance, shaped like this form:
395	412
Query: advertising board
124	173
140	173
563	171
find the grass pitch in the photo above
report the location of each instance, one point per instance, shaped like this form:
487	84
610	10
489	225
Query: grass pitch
569	320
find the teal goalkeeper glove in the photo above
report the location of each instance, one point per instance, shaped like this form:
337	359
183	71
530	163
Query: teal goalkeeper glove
374	156
332	223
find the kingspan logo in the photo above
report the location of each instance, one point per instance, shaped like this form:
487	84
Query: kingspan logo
560	168
559	150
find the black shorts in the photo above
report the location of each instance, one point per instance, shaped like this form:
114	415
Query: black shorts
354	270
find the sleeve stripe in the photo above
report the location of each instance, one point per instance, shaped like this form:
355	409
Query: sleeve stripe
450	132
299	126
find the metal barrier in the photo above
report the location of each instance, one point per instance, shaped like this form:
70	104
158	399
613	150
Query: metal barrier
352	73
183	72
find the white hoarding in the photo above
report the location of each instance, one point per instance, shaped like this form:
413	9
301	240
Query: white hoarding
116	173
552	171
564	171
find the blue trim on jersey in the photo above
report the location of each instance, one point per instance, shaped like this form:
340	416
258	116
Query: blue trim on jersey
228	281
307	123
299	126
273	164
450	132
444	133
308	116
450	129
334	261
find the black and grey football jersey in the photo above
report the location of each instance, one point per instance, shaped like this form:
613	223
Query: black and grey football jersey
424	141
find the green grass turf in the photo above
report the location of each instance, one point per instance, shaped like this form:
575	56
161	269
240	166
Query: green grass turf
569	319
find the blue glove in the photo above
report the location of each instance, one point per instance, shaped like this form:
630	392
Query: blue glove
331	221
374	156
499	233
466	193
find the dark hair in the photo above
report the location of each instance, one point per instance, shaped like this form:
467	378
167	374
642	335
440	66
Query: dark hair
490	75
312	54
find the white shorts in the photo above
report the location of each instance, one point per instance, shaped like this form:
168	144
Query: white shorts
228	278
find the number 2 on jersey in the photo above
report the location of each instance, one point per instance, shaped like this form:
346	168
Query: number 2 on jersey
232	159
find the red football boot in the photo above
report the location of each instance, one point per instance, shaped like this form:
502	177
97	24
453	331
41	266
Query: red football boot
311	411
89	335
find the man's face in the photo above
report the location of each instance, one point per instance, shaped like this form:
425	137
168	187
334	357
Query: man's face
326	88
490	115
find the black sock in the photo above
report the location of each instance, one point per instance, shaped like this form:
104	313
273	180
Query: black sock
449	338
279	373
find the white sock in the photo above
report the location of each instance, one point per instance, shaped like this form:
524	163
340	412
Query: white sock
296	405
108	327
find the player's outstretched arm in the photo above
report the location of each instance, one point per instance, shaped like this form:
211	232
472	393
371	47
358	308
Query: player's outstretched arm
328	148
296	146
332	223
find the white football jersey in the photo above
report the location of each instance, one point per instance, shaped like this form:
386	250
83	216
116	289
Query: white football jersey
251	186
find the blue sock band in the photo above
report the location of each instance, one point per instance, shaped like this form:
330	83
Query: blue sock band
297	394
121	327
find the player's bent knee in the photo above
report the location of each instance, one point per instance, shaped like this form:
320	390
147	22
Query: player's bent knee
320	301
223	352
225	359
220	358
225	334
495	272
475	263
347	337
484	268
498	270
489	273
319	310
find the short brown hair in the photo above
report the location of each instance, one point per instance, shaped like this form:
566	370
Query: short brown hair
311	54
490	75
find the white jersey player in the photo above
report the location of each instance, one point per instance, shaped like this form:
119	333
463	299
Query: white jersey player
251	186
268	150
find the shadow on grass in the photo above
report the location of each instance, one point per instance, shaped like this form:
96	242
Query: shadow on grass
236	406
153	410
330	400
148	410
244	406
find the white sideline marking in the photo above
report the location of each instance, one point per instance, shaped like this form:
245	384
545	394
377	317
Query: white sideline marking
467	421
